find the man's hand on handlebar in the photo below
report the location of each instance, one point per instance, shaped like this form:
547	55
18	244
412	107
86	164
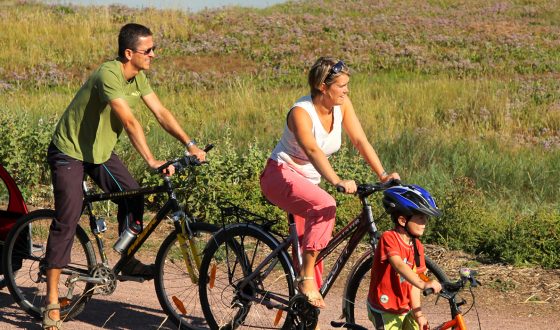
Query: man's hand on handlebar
199	153
168	171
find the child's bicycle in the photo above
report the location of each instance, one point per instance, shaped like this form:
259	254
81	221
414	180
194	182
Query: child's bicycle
247	276
433	314
449	292
177	261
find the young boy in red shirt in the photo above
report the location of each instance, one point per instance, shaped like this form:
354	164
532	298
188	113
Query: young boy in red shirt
394	293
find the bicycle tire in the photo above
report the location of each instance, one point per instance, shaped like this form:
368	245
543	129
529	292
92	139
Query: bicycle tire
176	292
229	257
354	300
24	251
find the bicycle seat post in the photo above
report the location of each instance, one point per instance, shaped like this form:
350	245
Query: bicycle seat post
97	224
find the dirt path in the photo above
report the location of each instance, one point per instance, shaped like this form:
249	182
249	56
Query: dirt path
135	306
510	298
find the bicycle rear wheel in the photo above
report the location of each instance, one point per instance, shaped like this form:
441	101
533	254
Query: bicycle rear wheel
231	255
24	271
354	306
176	291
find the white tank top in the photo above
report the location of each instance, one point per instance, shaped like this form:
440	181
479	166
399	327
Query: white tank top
288	147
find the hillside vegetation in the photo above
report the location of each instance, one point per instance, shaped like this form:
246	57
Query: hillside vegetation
461	97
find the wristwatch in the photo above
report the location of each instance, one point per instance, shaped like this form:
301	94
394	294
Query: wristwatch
190	143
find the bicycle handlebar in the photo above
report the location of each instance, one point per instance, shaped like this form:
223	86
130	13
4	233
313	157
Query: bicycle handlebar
182	163
451	288
366	189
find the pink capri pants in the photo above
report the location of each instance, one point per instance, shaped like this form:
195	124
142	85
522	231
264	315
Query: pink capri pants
313	208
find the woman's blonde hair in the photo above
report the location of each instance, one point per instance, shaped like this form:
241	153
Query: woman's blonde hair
322	72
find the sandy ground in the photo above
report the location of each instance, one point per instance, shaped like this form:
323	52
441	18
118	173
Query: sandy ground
509	298
135	306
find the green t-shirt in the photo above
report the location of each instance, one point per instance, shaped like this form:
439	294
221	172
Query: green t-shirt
88	130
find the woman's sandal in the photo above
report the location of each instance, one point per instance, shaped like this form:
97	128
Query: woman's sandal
48	321
313	297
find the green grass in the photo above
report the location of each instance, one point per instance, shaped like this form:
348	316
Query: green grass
459	97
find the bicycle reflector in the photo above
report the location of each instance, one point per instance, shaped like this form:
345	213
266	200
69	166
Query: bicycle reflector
64	302
278	317
179	304
212	276
424	277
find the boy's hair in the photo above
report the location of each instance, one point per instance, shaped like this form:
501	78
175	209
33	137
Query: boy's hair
395	217
129	35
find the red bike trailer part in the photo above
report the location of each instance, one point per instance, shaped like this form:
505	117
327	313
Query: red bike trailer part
16	209
16	205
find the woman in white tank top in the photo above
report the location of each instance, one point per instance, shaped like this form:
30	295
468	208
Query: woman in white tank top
300	159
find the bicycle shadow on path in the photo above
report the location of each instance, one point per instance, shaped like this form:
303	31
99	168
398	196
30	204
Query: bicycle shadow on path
11	316
99	313
119	315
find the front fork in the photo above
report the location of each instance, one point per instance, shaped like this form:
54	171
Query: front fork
189	250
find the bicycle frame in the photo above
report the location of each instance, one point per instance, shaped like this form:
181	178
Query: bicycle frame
356	230
171	205
457	323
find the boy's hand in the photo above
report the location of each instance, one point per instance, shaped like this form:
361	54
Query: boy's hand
422	322
434	285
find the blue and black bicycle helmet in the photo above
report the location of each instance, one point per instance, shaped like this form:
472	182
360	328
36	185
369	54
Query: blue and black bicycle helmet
408	200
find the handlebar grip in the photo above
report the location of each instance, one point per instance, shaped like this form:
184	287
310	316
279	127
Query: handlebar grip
427	292
208	147
164	166
340	189
397	182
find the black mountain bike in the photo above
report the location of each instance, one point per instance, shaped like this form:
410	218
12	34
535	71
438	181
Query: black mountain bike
247	275
177	261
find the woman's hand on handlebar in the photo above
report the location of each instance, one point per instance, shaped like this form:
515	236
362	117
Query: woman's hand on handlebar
392	176
346	186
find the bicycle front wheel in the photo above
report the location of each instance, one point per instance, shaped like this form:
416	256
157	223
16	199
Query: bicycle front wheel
177	292
354	301
25	273
232	256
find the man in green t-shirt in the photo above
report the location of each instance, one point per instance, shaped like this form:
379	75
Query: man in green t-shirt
84	140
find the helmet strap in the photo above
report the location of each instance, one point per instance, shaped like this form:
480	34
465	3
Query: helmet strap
415	246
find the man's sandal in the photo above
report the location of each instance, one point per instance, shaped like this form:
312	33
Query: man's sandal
48	321
313	297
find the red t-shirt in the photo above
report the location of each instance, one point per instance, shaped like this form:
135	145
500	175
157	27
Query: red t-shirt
388	291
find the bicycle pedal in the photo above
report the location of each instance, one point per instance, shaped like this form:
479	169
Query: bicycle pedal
139	279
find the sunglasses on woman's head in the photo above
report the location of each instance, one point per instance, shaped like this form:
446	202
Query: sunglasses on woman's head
335	69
